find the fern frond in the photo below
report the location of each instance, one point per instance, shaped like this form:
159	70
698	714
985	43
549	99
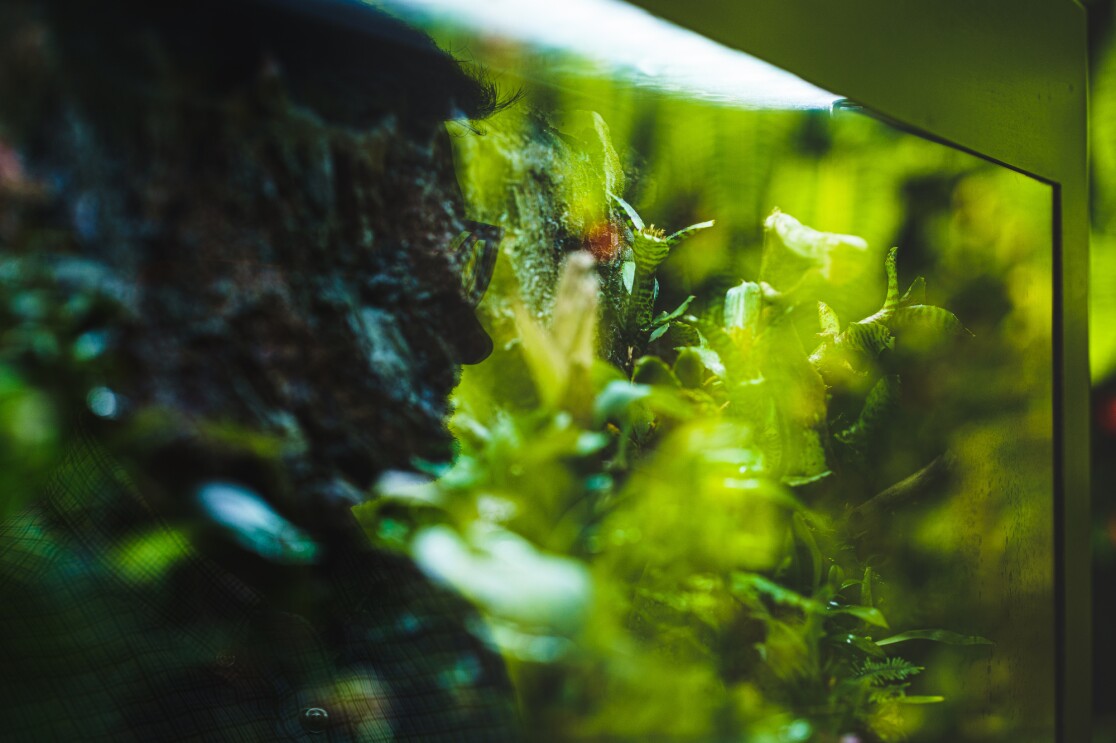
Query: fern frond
890	671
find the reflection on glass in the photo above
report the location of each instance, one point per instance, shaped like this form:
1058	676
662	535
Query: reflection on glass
786	476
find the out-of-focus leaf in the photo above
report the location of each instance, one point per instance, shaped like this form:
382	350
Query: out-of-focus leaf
254	524
690	368
507	576
796	481
408	486
545	360
575	310
560	359
792	252
744	307
755	584
146	558
616	400
652	371
806	537
617	397
919	699
881	400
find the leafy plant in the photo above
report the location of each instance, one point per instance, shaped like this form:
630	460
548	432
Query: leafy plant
643	536
649	248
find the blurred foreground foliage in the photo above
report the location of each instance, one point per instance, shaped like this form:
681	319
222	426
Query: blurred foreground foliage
56	341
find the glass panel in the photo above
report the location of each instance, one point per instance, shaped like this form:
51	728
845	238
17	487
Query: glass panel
724	465
825	506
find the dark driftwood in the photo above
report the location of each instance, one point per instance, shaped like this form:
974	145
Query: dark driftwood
277	260
249	209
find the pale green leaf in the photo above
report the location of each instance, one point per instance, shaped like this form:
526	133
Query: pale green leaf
908	699
868	614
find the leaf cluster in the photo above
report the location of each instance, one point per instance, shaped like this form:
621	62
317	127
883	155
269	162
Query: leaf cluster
641	536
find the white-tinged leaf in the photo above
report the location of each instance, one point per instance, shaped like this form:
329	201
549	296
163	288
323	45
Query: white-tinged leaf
633	215
685	232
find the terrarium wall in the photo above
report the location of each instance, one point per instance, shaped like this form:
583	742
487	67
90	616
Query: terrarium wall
763	476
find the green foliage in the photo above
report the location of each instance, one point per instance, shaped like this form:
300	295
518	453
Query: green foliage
641	532
56	359
735	432
892	670
649	248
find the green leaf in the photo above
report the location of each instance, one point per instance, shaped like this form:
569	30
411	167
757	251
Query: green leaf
616	400
147	557
651	370
868	614
633	215
685	232
627	275
929	317
617	397
915	294
546	362
689	367
658	332
797	481
877	406
594	132
790	249
753	583
757	487
861	643
710	359
590	443
665	317
744	306
908	699
869	337
890	670
936	635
